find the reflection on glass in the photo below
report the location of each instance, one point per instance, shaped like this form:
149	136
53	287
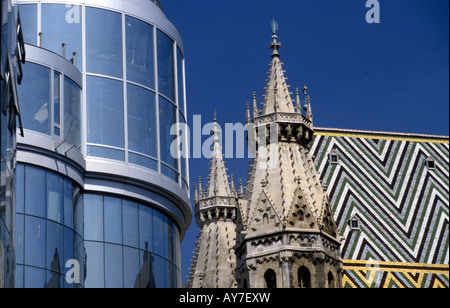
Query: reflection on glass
159	233
42	240
54	197
104	42
130	266
28	18
180	80
69	193
34	277
35	191
113	220
130	224
105	121
72	112
113	266
149	249
34	95
55	246
146	228
166	75
142	161
95	274
35	236
19	242
167	118
146	277
93	217
140	62
141	121
106	153
62	25
57	98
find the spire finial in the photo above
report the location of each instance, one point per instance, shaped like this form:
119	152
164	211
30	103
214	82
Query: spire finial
274	27
275	45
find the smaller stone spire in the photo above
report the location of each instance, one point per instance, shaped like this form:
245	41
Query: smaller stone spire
218	179
309	114
298	106
256	111
248	117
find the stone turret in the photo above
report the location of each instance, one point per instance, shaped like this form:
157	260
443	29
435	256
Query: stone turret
215	212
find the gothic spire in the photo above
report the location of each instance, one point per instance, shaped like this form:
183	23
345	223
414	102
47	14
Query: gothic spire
278	97
218	179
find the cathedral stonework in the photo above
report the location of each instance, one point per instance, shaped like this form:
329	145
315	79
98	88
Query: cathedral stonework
280	232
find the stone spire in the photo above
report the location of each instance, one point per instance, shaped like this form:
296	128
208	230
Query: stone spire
277	97
214	260
218	179
285	217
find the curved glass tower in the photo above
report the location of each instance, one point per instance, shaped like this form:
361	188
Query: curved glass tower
102	196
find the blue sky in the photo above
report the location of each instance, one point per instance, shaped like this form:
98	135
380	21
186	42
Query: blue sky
392	76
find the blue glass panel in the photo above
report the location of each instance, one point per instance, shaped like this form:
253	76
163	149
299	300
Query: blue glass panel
20	188
69	190
105	116
106	153
167	118
62	24
34	277
54	280
95	272
169	172
35	242
161	272
78	212
55	196
68	251
20	233
113	220
130	224
35	197
142	161
140	54
28	18
142	136
34	95
93	217
160	233
57	98
146	277
104	42
180	80
130	267
113	266
18	279
146	227
166	75
55	247
72	112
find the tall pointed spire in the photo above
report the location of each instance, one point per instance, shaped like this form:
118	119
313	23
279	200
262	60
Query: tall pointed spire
218	179
215	215
278	97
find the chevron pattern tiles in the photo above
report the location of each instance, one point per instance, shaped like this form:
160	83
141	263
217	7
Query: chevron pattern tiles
395	188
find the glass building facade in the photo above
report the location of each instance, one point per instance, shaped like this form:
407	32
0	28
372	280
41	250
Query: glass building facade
102	201
12	58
